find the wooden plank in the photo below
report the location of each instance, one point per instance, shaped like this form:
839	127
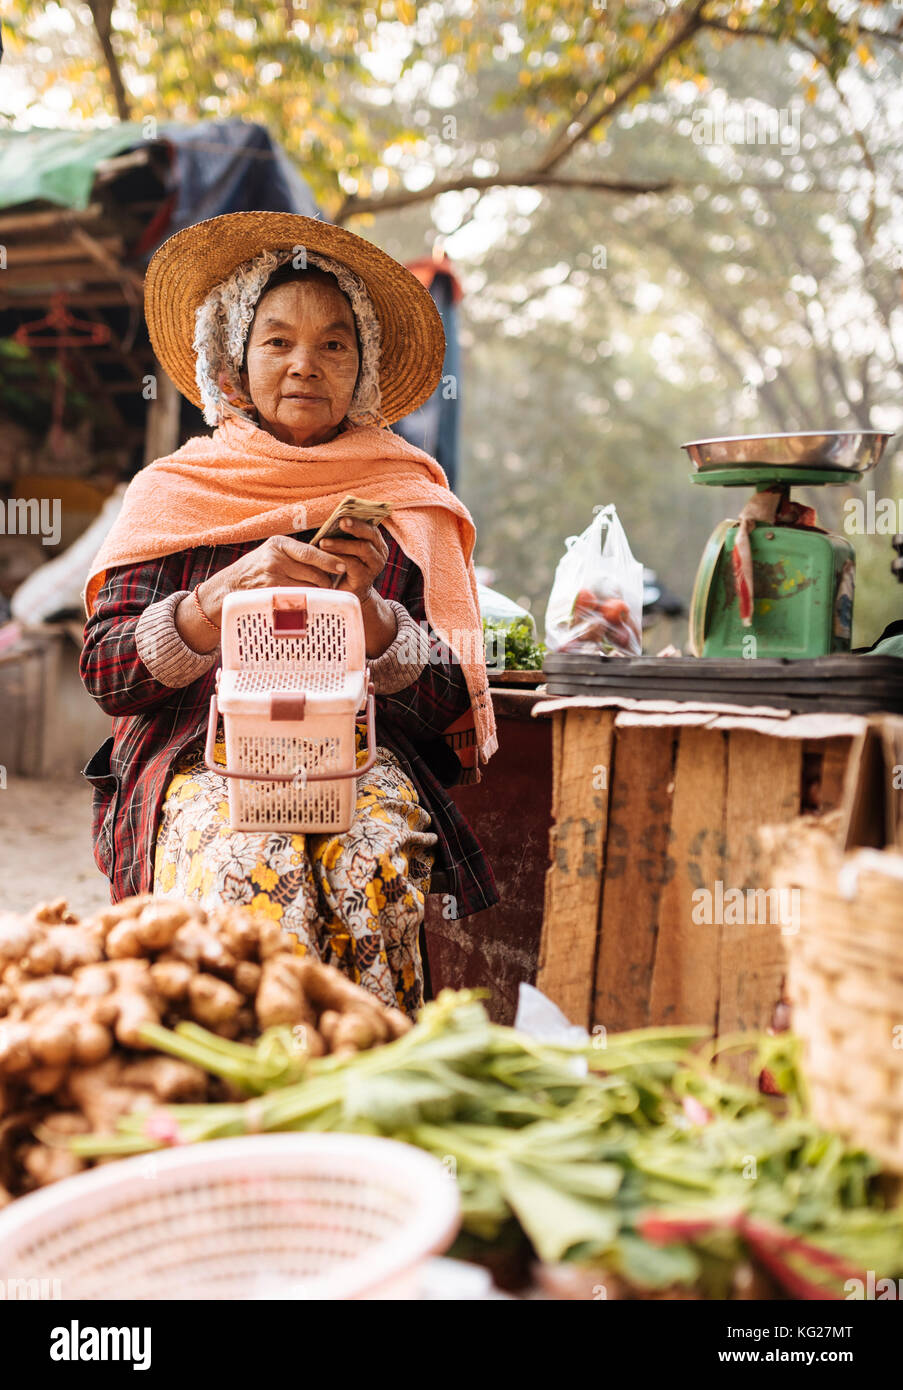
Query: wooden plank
864	814
107	169
835	757
686	970
764	787
557	753
75	299
573	882
26	223
130	279
59	273
44	252
637	865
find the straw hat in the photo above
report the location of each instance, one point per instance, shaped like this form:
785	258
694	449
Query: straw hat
184	270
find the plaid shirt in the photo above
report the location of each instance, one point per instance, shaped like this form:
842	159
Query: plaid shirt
154	724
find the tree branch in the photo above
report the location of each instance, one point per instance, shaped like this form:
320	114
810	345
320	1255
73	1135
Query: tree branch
101	12
692	23
751	31
561	146
541	174
353	205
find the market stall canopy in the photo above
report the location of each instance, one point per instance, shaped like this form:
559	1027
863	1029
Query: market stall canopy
82	212
214	167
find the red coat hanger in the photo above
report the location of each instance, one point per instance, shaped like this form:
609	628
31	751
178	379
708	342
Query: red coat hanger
68	331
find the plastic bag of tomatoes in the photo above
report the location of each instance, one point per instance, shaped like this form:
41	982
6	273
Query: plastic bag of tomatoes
596	603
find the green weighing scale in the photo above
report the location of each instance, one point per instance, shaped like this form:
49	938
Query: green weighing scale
802	576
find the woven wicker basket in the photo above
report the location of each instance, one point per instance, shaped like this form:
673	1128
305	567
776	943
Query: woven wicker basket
845	981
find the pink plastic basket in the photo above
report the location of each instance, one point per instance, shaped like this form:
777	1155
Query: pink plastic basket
293	678
306	1216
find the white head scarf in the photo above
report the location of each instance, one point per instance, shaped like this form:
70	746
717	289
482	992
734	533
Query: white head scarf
223	321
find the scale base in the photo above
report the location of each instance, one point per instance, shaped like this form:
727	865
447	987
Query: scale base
757	474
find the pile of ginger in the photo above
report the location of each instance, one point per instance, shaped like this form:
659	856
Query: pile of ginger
74	997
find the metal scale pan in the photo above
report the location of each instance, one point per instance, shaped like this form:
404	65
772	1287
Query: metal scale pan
813	456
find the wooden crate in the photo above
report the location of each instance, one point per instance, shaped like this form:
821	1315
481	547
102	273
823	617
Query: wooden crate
50	725
686	794
27	679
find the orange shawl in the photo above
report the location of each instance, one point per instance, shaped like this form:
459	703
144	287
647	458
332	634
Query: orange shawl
244	484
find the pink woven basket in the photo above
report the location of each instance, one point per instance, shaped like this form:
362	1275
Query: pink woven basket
306	1216
293	678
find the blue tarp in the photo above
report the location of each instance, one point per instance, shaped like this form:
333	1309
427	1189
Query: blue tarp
434	427
231	166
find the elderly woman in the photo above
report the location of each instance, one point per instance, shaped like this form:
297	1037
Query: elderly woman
301	342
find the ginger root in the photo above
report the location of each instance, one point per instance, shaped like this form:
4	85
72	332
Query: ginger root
60	1034
153	930
62	950
273	939
107	917
247	977
213	1001
46	1081
171	978
329	990
46	1165
239	930
51	914
16	936
47	989
281	997
15	1052
198	945
99	1093
134	1011
354	1032
169	1078
329	1021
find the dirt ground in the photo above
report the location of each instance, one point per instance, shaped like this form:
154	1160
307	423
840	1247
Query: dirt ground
45	845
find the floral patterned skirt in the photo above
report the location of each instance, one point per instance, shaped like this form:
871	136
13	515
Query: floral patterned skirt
355	900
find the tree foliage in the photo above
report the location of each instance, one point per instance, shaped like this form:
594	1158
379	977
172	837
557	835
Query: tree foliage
324	79
633	283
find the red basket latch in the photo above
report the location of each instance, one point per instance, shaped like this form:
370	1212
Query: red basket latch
283	706
290	615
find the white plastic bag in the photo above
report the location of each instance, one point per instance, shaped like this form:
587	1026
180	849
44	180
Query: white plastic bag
596	603
498	608
542	1019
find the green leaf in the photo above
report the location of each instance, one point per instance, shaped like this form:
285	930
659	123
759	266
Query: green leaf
596	1181
655	1266
555	1220
396	1101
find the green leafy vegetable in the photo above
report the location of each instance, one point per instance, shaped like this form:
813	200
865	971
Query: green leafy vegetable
639	1158
522	651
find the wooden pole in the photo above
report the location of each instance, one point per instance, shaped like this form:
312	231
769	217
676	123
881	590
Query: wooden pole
162	436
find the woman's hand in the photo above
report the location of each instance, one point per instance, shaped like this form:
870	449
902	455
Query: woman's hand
280	560
364	552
